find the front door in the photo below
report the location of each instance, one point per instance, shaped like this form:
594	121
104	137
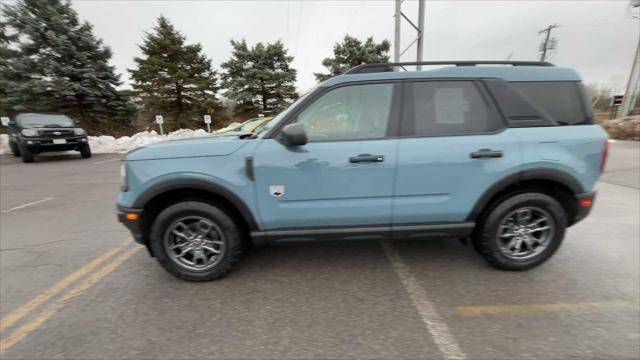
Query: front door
344	175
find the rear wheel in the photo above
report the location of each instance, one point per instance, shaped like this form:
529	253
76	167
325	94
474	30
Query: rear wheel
196	241
85	151
14	148
27	155
522	231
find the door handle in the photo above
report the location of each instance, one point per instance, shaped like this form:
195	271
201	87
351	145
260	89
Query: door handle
366	158
486	153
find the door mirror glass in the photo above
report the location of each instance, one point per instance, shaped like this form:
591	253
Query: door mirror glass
293	135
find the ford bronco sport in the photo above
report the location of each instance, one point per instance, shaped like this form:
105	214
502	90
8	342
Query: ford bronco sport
32	133
503	153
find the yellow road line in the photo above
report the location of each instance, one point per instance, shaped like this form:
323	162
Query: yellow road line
25	309
539	308
23	331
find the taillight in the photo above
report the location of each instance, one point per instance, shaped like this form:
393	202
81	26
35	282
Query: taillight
605	155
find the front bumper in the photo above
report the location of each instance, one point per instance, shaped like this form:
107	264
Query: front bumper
47	144
133	225
584	203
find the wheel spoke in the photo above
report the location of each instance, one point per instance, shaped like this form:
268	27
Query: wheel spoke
508	235
184	252
204	227
216	252
539	229
523	216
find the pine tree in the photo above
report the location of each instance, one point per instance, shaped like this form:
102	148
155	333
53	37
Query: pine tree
174	79
60	66
259	79
353	52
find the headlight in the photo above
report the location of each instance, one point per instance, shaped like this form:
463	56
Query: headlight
29	132
79	131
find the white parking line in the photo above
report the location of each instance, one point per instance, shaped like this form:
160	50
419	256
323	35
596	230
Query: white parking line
26	205
436	326
106	161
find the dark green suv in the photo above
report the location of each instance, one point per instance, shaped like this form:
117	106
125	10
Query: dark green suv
32	133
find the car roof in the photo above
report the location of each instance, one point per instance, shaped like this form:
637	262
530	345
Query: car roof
507	73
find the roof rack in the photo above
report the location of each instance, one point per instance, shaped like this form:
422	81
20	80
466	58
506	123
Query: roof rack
384	67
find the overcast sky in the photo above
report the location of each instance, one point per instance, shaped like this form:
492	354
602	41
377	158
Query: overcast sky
598	38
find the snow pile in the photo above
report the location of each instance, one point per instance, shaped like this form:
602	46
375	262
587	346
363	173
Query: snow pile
4	144
109	144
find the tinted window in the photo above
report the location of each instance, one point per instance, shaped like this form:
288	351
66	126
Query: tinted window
448	108
559	101
349	112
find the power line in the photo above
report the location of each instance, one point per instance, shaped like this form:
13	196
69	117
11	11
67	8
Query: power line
549	43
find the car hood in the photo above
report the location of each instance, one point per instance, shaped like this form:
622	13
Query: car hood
204	146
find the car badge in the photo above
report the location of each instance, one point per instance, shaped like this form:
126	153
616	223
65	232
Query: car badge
276	190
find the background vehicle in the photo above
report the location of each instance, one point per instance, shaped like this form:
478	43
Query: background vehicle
32	133
507	155
249	126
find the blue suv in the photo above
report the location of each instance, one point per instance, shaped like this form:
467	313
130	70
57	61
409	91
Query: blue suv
503	154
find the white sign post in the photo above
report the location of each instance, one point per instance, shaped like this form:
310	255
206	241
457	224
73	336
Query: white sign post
5	120
207	120
160	121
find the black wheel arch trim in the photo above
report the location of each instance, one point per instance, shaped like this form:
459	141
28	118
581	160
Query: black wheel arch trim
554	175
199	184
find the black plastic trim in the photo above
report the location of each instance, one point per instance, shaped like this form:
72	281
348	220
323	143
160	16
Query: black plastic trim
190	183
134	226
365	232
248	163
583	211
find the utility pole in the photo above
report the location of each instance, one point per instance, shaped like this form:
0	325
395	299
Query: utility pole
420	32
397	53
633	84
547	44
396	38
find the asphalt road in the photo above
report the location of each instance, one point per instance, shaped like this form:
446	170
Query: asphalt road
67	294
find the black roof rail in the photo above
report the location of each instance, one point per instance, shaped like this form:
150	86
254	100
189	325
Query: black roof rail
384	67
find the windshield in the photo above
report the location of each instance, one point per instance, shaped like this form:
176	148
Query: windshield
44	120
270	124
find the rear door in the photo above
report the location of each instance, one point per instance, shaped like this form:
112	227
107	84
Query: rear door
454	145
344	175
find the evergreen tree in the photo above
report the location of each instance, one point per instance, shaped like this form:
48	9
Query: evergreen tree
174	79
60	66
353	52
260	78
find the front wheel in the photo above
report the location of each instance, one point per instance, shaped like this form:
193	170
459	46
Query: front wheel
14	148
85	151
522	231
196	241
27	155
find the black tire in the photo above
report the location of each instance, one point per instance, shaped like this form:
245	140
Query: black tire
27	155
233	239
487	242
14	148
85	151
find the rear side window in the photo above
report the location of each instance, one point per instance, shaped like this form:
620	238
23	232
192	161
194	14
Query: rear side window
437	108
560	101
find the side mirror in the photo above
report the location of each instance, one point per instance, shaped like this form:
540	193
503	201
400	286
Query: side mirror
293	135
5	121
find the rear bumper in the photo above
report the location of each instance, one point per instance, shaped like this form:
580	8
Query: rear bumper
584	203
134	226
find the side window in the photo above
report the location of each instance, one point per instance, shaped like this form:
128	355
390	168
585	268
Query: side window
559	100
349	113
448	108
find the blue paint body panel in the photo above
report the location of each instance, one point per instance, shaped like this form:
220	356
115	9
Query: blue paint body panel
421	180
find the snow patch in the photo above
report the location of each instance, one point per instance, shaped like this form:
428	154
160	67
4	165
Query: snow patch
108	144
